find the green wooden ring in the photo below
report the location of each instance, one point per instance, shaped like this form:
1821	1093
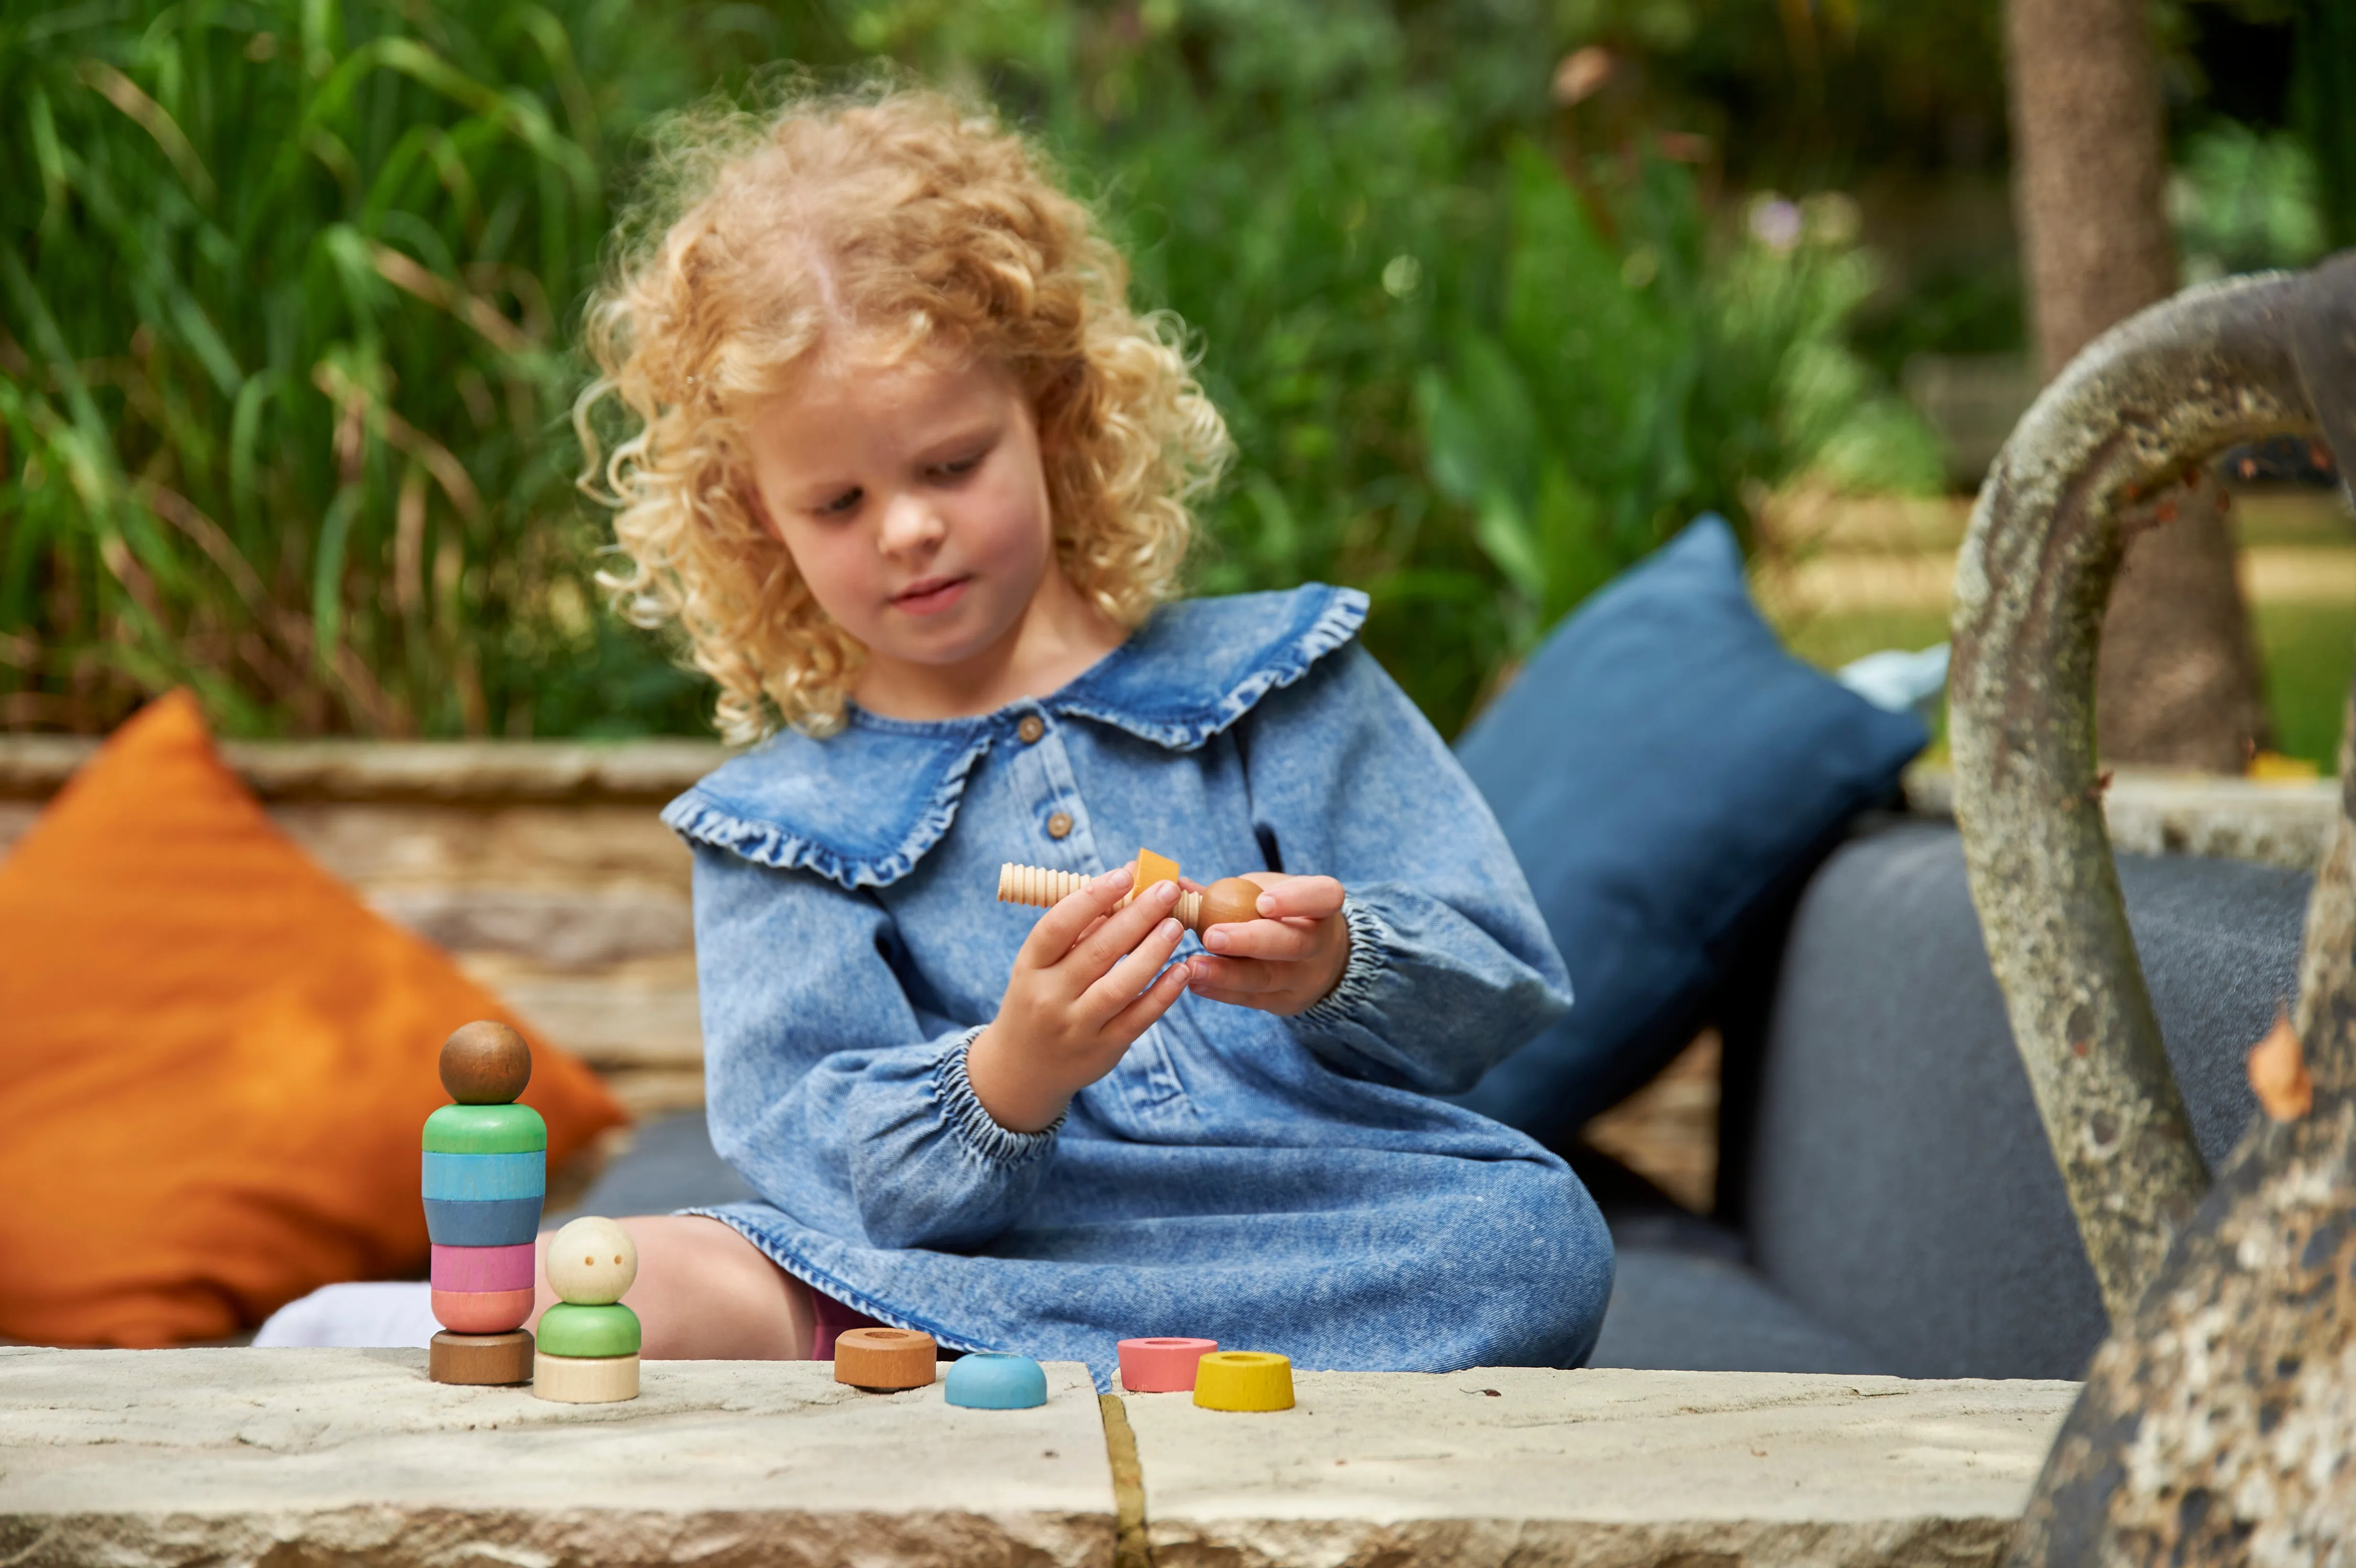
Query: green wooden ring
485	1129
569	1328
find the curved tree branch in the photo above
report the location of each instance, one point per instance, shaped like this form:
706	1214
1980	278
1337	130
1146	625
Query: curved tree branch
2144	405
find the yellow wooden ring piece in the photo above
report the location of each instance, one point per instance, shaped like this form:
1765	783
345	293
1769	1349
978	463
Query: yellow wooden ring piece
1243	1380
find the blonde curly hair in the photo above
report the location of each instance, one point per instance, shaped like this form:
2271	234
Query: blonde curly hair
897	216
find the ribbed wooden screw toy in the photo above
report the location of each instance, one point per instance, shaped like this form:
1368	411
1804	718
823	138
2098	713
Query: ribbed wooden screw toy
1229	900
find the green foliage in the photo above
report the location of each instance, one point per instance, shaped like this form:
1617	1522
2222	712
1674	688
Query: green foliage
1627	386
288	287
283	306
1456	378
2242	201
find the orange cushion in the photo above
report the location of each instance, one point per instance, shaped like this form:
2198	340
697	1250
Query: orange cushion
214	1059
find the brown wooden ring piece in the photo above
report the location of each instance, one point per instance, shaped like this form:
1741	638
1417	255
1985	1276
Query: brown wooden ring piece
884	1358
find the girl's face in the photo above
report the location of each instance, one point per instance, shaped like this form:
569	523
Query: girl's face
912	499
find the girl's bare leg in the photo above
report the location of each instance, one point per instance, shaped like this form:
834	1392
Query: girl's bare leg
706	1294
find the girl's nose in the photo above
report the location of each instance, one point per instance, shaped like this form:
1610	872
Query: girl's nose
909	525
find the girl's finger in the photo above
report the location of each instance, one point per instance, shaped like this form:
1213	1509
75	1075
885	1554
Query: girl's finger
1124	981
1062	926
1311	898
1134	1020
1259	999
1120	932
1262	939
1252	975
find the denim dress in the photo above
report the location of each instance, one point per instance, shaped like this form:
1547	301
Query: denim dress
1272	1183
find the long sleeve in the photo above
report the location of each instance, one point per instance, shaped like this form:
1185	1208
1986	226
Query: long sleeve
1451	966
840	1099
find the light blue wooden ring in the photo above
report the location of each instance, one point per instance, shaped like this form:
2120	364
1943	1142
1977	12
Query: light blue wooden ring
507	1223
989	1379
485	1178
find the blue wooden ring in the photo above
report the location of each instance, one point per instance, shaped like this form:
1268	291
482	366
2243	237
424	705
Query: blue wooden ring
485	1177
508	1222
989	1379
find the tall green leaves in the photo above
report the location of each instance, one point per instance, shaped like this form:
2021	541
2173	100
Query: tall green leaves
282	309
1629	382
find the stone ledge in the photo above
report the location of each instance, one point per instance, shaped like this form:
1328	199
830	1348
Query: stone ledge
241	1456
2285	823
1601	1467
33	767
235	1457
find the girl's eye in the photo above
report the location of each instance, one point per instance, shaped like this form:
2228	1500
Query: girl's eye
842	505
958	468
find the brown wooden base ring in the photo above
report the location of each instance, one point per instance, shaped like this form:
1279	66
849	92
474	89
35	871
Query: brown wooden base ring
486	1359
884	1358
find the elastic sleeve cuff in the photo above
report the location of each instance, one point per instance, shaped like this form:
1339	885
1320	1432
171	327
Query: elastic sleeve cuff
974	1126
1369	947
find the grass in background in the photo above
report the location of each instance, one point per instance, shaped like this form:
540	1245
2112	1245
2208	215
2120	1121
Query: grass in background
2310	652
2310	657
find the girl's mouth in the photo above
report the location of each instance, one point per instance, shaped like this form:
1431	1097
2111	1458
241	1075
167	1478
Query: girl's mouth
930	595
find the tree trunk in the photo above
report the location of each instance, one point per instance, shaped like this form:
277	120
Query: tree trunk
2178	683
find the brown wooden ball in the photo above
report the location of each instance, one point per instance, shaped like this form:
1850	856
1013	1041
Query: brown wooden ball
485	1063
1229	900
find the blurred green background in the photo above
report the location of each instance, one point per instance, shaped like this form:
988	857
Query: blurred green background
1493	294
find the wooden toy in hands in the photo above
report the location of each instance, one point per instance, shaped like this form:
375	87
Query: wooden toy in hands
589	1341
1229	900
485	1171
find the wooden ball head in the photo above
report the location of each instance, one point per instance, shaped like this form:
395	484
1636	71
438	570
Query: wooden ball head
1228	901
485	1063
884	1358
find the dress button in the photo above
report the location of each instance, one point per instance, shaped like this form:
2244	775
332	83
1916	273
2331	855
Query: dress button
1030	729
1059	825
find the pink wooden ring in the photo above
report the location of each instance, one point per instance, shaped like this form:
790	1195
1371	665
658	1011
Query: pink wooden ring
484	1268
1161	1366
481	1311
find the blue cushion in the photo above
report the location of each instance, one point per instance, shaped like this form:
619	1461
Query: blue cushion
1664	771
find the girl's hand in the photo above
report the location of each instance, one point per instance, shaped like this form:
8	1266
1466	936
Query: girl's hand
1085	985
1287	960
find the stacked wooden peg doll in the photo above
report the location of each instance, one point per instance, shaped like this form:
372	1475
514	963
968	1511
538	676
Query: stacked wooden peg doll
486	1174
589	1340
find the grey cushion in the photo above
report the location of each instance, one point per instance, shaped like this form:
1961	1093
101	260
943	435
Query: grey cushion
1683	1300
1895	1181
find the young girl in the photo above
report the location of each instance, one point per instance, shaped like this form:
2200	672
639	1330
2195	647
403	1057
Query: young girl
914	478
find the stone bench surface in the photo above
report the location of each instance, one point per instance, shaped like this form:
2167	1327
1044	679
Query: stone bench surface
242	1457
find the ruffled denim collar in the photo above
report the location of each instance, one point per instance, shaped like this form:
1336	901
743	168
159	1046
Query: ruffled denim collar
862	806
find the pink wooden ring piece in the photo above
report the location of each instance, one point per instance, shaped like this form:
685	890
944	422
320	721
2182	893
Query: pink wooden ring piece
1161	1366
484	1268
481	1311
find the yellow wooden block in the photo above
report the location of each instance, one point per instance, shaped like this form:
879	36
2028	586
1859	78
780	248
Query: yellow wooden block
1151	868
584	1379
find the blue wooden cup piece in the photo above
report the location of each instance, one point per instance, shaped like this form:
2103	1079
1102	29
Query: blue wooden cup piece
989	1379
